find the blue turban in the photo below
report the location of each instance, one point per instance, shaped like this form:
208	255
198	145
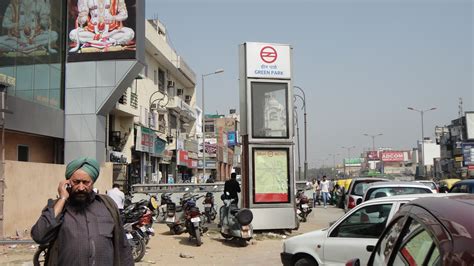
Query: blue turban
88	165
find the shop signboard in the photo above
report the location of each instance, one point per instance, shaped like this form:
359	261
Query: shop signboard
210	164
160	146
182	158
145	140
392	156
101	32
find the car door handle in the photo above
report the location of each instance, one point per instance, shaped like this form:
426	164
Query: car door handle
370	248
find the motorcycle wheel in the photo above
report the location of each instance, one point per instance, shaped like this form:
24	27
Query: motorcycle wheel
303	217
198	237
138	249
39	257
226	236
213	216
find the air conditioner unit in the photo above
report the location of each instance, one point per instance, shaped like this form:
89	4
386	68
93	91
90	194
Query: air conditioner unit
180	92
187	99
171	84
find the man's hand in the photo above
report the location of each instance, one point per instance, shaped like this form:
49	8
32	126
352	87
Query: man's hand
62	189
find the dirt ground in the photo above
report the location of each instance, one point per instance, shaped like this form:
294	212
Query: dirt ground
167	249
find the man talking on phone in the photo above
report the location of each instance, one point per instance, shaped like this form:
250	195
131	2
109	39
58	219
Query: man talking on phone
81	227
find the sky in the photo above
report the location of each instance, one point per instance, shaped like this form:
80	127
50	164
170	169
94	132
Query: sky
360	63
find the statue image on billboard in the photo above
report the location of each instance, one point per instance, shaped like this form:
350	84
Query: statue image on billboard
269	110
100	27
275	116
26	29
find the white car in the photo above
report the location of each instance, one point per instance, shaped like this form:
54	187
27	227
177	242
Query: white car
394	188
352	236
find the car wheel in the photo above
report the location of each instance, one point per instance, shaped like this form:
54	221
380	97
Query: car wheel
305	261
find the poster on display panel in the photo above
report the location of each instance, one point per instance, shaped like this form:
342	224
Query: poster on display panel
30	32
101	30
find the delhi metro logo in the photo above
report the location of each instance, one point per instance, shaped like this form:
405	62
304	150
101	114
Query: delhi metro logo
268	54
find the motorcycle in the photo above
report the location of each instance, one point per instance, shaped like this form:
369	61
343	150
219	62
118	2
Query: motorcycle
302	206
135	240
175	217
140	214
235	223
194	219
209	207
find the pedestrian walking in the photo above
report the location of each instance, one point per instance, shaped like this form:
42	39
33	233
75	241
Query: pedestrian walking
82	227
117	195
325	191
316	192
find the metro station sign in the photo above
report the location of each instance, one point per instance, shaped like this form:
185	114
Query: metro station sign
266	60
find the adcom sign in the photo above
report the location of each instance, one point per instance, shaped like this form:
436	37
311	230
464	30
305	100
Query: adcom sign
265	60
392	156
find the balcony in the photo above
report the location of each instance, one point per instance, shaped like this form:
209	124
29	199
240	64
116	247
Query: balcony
175	103
127	105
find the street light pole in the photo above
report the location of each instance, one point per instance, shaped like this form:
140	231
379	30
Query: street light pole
334	161
298	142
373	139
203	119
305	134
348	156
422	165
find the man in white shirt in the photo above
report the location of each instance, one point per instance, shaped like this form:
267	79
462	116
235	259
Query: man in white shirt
117	196
325	190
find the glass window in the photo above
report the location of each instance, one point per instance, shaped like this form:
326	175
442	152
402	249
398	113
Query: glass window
269	110
387	242
393	191
419	247
23	153
271	175
367	222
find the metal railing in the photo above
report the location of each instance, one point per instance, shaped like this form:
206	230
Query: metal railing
134	100
178	188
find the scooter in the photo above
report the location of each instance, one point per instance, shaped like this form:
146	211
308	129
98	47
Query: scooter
209	207
302	206
235	223
175	218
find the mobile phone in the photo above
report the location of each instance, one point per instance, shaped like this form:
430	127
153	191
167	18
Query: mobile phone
68	187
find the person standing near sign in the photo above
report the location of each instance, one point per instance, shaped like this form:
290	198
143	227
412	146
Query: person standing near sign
233	187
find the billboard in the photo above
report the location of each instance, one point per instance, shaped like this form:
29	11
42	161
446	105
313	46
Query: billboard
373	155
468	153
271	175
231	138
101	30
392	156
470	125
30	31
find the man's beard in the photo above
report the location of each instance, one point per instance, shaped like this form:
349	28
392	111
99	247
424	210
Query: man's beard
81	200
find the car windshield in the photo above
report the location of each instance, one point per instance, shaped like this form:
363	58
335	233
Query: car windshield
360	187
393	191
429	184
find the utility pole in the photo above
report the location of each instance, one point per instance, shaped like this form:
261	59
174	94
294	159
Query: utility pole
422	162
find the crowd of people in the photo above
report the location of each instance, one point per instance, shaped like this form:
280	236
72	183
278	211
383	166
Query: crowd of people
326	191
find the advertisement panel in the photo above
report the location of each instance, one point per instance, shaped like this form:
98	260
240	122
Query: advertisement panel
265	60
145	139
373	155
392	156
101	30
470	125
468	153
30	32
271	175
231	139
353	161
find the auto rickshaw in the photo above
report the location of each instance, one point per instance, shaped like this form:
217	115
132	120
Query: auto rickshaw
446	184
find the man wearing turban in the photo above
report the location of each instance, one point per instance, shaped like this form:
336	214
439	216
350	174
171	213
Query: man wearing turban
83	227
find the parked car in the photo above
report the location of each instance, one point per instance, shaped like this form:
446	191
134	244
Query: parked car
348	236
446	184
431	184
357	190
421	234
394	188
463	186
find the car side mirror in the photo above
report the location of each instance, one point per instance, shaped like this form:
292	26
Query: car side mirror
370	248
359	201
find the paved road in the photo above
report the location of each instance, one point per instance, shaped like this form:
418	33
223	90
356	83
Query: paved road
167	249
